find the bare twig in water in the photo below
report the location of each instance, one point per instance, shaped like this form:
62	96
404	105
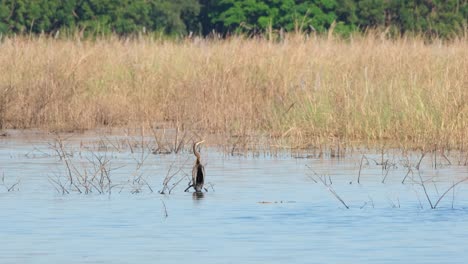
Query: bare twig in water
435	186
392	203
58	183
179	143
451	187
420	160
360	167
160	148
372	201
54	184
409	171
211	185
137	180
186	176
364	205
425	191
323	180
386	174
453	196
169	176
166	145
310	177
434	206
445	157
83	174
165	209
11	187
59	147
417	196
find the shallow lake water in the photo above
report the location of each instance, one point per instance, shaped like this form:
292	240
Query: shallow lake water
258	209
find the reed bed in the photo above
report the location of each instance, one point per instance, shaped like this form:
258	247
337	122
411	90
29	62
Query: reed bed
299	92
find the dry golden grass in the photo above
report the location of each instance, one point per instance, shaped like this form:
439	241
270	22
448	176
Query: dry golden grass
302	91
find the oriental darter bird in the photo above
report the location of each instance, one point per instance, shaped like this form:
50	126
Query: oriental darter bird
198	171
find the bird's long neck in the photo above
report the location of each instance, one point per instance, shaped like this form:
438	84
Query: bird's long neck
196	153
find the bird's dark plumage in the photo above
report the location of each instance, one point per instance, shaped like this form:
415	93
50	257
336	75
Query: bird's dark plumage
198	171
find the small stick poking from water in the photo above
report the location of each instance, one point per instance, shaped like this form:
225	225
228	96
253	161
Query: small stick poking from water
386	174
334	193
453	196
211	186
360	167
310	177
409	171
425	191
445	157
364	205
448	190
420	160
9	188
165	209
372	201
324	181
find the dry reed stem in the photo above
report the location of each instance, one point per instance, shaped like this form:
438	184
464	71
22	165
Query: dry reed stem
83	174
11	187
170	175
360	167
451	187
165	209
328	186
365	88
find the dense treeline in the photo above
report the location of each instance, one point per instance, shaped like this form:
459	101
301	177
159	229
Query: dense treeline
443	18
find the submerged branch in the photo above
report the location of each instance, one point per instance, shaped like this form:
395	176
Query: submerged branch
425	191
328	186
451	187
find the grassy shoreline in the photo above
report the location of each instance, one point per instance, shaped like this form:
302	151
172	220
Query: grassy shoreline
302	91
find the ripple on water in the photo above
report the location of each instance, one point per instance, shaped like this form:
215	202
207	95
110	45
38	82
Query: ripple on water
262	210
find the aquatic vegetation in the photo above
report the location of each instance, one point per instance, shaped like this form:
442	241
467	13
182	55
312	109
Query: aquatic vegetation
413	177
9	187
302	92
87	174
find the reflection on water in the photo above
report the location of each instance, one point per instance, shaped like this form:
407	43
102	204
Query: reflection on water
243	221
198	195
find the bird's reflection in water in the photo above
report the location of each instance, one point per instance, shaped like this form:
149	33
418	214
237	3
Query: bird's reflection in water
198	196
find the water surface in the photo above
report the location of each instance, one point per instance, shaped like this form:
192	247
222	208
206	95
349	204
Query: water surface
264	209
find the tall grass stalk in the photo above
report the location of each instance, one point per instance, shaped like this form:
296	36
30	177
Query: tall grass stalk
301	90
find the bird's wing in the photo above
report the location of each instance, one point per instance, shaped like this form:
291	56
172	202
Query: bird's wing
204	174
194	174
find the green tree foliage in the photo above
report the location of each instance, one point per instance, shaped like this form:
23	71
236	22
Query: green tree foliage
99	16
438	17
318	14
445	18
177	16
371	13
258	15
28	16
347	18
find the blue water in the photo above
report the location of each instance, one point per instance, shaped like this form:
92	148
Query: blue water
262	210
